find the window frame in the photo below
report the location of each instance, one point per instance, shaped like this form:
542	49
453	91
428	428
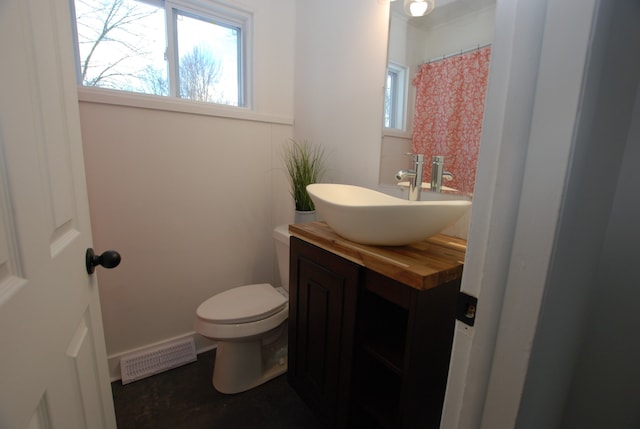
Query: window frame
398	97
201	9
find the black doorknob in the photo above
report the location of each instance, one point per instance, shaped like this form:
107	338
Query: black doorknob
108	259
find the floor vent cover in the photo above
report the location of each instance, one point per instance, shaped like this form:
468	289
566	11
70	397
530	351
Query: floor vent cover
144	364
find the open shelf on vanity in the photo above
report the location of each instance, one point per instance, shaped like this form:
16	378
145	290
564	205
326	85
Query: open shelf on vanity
376	395
382	328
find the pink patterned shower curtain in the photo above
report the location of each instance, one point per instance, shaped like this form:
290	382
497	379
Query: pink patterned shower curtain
448	118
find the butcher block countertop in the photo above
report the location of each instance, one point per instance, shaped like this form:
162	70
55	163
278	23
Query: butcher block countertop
422	265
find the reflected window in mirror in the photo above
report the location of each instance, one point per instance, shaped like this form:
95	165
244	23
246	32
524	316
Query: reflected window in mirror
395	104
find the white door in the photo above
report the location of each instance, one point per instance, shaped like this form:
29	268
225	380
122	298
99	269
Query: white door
53	370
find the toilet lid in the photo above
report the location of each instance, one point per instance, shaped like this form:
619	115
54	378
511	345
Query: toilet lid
242	304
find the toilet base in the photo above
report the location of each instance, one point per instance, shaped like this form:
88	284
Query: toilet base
243	365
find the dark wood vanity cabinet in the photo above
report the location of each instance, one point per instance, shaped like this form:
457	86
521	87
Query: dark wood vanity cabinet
366	350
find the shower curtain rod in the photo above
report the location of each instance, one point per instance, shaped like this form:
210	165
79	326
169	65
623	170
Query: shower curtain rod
453	54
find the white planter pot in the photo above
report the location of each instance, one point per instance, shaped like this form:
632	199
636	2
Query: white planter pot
305	216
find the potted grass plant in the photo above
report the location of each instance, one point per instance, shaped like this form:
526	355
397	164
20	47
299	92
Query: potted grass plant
305	163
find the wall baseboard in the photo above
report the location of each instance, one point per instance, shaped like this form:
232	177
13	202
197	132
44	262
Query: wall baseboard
202	345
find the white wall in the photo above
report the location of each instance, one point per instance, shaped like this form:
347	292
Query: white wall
189	199
397	143
465	32
340	68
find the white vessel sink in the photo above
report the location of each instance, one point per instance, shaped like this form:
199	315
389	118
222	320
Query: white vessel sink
366	216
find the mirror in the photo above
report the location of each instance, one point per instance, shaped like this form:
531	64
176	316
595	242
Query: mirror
454	26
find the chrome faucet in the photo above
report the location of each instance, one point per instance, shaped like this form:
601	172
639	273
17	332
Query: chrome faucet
414	176
438	173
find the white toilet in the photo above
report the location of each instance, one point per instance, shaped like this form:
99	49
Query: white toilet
249	324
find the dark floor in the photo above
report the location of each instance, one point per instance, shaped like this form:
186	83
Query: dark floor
185	398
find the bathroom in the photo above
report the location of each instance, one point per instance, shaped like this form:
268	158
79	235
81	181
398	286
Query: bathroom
212	182
190	198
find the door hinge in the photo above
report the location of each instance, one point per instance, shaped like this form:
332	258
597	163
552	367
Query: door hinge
467	308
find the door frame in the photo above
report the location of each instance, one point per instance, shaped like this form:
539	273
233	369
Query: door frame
532	108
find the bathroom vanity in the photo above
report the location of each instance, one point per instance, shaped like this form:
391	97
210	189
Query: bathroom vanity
371	327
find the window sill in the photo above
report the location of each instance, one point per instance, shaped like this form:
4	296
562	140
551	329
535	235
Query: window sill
167	104
392	132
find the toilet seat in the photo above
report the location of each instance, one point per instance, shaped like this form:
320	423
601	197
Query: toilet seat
243	304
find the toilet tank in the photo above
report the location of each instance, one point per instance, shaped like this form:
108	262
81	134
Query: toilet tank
281	235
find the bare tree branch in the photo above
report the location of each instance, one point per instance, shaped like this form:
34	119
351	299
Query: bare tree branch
116	25
114	40
199	73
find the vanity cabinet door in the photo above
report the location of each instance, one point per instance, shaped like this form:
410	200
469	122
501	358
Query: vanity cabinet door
322	303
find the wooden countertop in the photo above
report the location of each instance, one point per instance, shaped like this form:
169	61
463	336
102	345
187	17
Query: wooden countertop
422	265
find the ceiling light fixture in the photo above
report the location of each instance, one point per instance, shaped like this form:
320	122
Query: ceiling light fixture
418	7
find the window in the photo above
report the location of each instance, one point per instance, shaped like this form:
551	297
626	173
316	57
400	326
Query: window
395	96
188	49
